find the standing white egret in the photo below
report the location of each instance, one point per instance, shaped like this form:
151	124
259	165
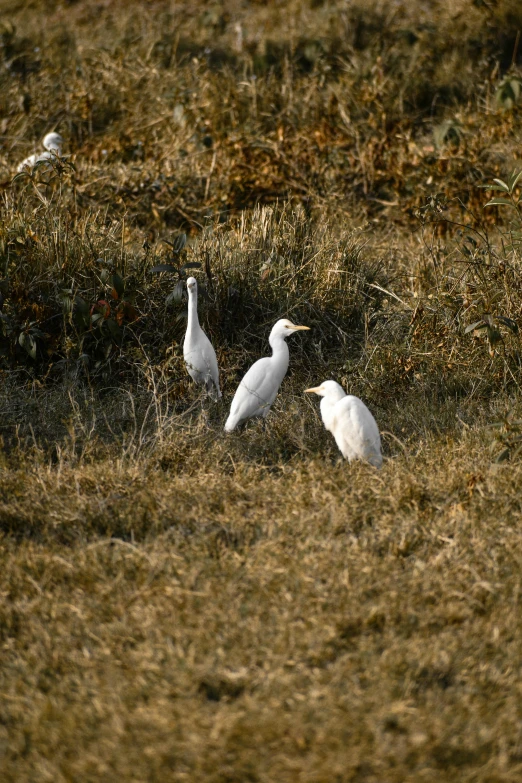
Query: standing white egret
199	355
53	144
350	422
258	389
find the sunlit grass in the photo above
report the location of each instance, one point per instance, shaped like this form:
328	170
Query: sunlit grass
180	604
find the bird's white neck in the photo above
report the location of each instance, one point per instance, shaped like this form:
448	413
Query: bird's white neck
193	321
278	344
280	353
327	411
328	404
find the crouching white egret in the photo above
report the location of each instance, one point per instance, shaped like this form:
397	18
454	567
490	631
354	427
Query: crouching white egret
258	389
350	422
53	144
199	355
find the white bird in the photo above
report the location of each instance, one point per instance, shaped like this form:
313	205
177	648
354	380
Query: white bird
53	144
350	422
258	389
199	355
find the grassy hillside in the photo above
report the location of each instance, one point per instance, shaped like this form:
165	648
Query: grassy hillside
180	604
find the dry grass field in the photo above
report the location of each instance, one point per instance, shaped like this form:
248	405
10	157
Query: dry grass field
178	604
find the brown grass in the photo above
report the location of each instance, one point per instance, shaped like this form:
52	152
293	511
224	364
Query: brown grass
299	621
177	604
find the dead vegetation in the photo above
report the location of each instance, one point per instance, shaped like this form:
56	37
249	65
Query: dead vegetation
262	623
177	604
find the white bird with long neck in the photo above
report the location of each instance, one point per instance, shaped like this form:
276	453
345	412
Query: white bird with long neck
53	144
258	389
199	355
350	422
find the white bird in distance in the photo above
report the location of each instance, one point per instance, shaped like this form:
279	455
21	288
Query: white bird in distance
53	144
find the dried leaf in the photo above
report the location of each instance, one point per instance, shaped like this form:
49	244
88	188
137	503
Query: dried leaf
117	285
498	201
508	322
477	325
502	185
115	331
28	342
176	295
514	179
178	244
164	268
494	335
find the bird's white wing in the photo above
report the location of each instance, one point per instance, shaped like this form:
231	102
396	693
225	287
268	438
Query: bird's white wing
28	163
356	432
210	359
201	361
256	392
32	160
